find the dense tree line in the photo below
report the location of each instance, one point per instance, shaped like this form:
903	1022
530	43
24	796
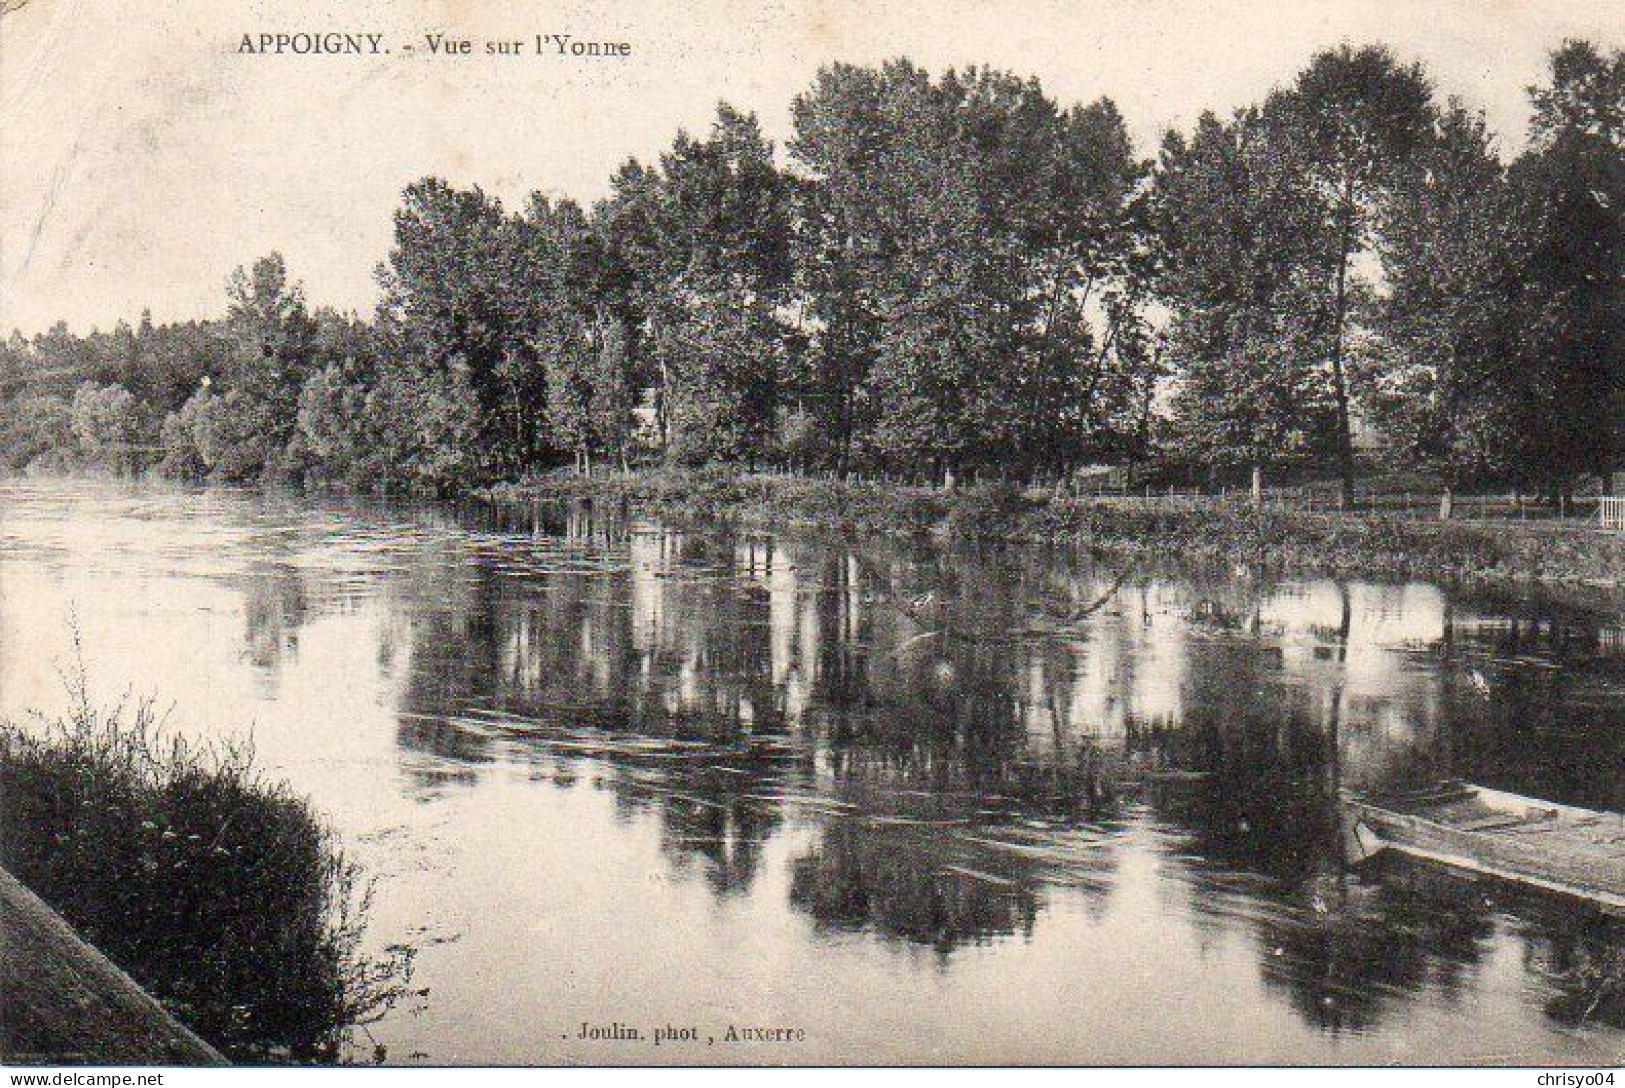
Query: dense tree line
943	276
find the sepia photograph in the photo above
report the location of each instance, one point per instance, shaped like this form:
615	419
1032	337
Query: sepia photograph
812	533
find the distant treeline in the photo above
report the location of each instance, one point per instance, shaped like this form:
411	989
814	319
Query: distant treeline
946	277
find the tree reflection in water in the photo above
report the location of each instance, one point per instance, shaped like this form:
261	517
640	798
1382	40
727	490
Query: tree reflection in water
950	738
904	885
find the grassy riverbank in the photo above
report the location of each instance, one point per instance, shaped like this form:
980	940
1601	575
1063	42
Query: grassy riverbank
218	892
1208	534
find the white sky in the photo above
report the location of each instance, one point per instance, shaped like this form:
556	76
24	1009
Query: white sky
141	158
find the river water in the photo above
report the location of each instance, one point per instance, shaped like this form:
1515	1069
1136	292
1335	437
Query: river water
913	806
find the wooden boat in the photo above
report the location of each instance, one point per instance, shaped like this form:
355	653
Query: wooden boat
1558	848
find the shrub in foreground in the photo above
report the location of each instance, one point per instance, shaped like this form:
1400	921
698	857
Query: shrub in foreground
220	893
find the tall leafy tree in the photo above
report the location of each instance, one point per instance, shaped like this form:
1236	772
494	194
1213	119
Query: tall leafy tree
340	420
842	133
271	331
1586	95
1358	117
581	310
459	290
959	238
610	409
1569	206
271	339
941	290
1242	272
1444	378
719	350
706	236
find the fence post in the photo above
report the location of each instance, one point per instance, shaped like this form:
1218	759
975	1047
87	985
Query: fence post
1445	505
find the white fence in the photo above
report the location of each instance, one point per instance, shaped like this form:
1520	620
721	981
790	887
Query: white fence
1579	512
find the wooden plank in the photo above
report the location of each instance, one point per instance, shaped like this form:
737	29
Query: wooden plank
63	1002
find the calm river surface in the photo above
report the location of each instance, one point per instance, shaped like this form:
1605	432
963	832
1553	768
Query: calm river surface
921	807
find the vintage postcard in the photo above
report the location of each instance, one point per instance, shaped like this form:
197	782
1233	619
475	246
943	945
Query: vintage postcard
812	533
